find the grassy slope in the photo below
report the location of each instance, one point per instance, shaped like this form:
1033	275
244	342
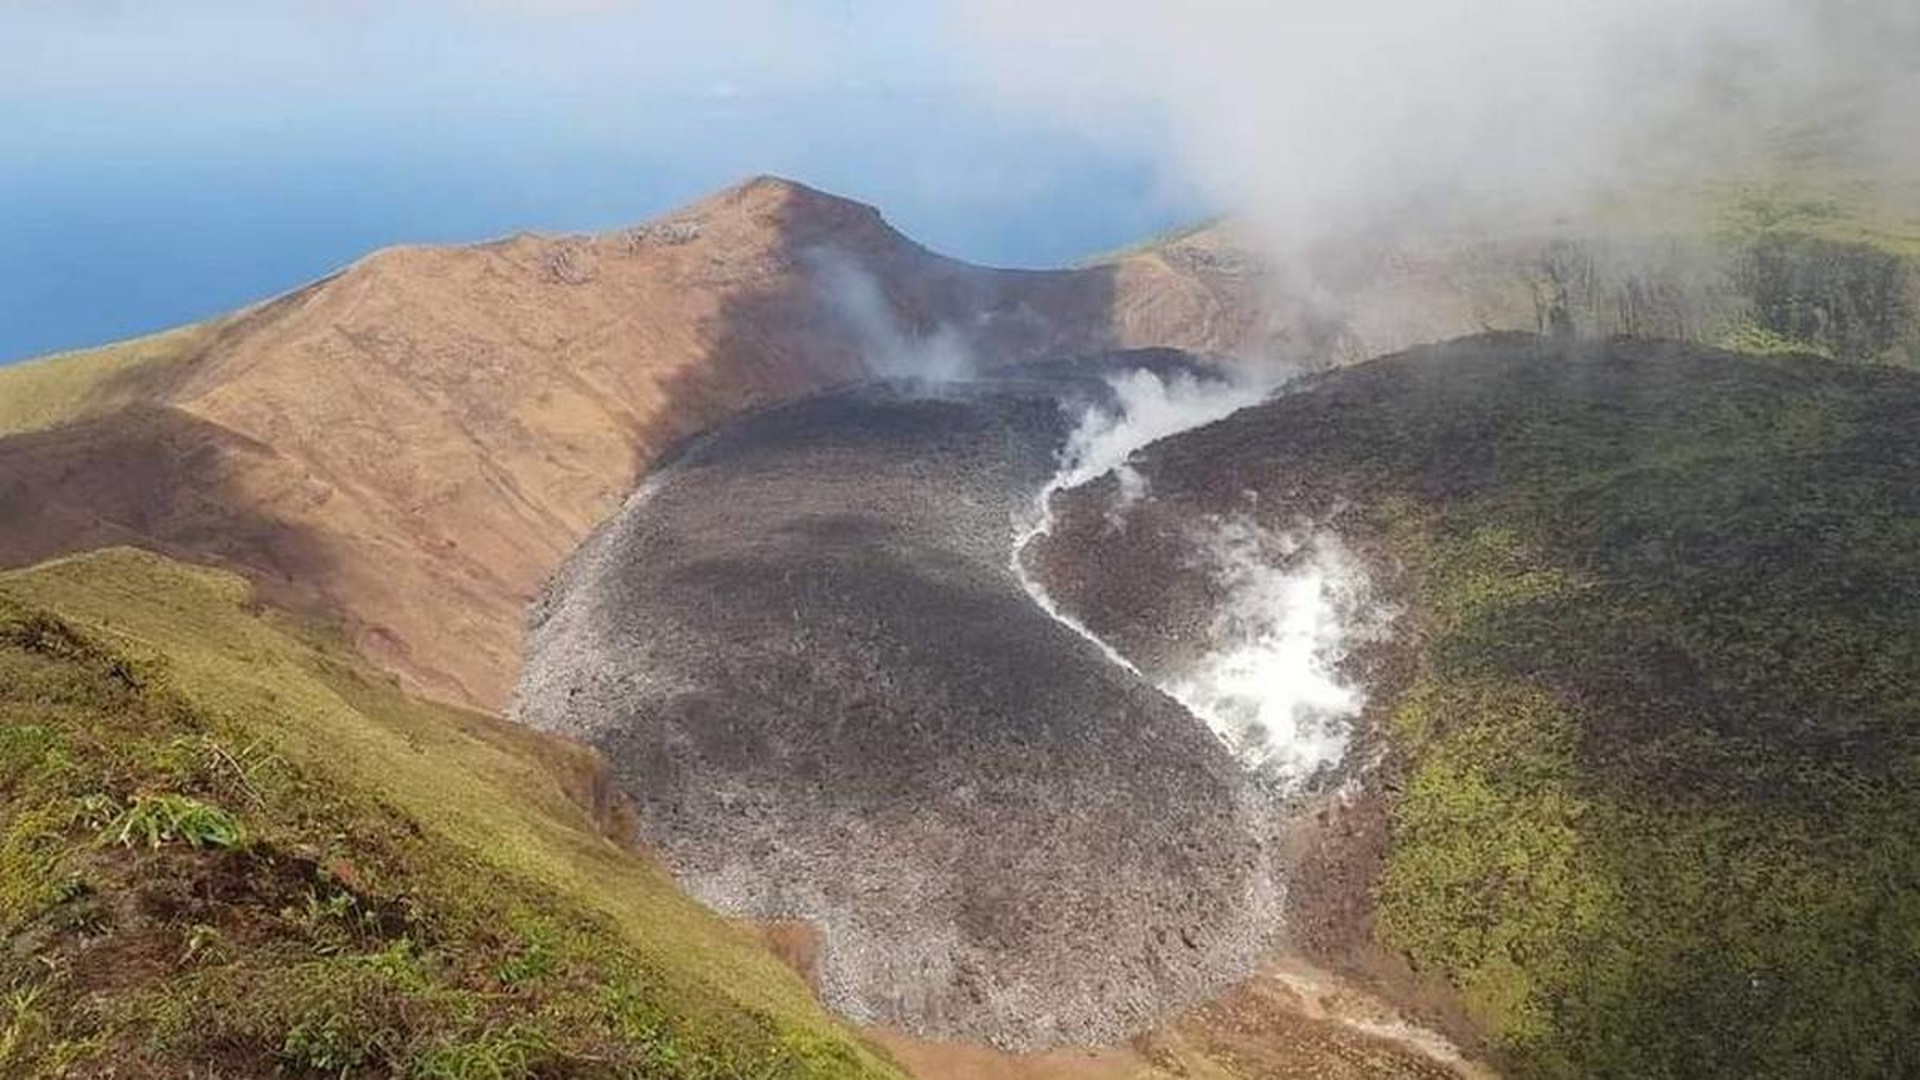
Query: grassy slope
1827	265
1663	810
61	389
416	893
1831	209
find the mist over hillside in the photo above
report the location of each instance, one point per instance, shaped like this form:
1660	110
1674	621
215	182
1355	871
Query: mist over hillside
1317	121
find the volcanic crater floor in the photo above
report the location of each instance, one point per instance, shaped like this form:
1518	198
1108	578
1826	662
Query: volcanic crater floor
804	647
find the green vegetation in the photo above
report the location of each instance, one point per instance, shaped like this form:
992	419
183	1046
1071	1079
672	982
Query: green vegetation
60	389
1662	810
227	849
1821	206
158	820
1748	335
1824	266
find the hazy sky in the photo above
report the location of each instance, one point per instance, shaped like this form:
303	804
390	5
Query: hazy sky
165	160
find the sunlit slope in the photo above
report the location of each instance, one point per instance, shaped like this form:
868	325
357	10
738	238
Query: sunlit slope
1664	794
80	385
231	849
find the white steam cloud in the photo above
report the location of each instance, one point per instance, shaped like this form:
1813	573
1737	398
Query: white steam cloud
1315	119
888	349
1270	684
1145	407
1348	131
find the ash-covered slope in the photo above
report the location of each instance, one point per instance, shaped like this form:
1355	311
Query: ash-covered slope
804	647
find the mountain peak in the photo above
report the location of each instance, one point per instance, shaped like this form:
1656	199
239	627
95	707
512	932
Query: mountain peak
769	187
792	209
785	186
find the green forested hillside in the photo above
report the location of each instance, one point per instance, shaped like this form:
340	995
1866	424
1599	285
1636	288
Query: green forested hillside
1662	815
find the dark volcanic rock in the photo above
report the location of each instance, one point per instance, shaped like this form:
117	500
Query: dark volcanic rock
804	648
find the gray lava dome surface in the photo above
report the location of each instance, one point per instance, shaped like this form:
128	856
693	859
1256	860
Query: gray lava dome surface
803	647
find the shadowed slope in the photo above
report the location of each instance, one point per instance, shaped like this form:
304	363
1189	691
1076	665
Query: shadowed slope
159	477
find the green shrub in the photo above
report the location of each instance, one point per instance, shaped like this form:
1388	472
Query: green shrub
154	820
334	1043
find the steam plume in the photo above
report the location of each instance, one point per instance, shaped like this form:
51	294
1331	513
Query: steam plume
1269	686
1145	407
1316	119
888	350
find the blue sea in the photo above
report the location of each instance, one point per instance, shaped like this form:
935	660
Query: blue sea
115	223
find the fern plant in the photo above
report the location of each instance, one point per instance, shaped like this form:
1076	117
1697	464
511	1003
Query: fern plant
155	820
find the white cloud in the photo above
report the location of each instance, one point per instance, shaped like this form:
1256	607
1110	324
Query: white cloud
1317	117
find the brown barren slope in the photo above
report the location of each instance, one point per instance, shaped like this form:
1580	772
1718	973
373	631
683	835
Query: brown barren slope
412	444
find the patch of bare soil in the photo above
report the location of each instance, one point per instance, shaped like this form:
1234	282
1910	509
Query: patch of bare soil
1288	1022
931	1060
797	944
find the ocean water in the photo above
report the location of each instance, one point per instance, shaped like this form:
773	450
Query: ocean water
116	224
